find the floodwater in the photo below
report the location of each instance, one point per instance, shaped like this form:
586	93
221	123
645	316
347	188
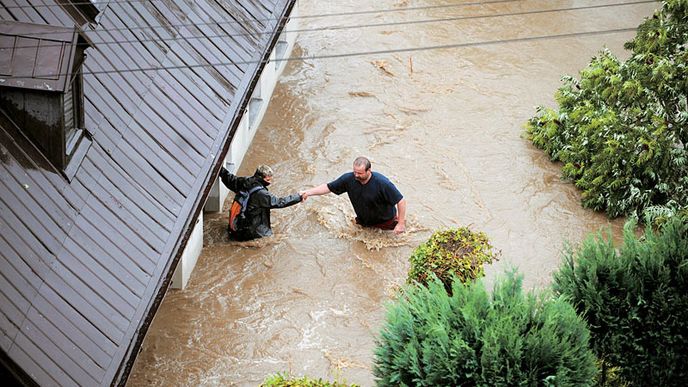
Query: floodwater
445	125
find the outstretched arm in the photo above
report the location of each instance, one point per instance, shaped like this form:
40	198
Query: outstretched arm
401	213
276	202
265	199
322	189
228	179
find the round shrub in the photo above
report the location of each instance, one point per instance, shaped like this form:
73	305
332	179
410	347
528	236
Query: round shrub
457	252
472	338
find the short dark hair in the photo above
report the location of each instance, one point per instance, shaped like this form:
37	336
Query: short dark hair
362	161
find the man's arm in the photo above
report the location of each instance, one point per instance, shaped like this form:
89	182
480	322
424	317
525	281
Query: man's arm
265	199
401	213
276	202
228	179
322	189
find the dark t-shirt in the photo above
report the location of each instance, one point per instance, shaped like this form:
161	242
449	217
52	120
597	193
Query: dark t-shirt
373	202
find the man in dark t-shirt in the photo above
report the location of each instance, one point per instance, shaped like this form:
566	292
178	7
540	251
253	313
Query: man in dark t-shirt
376	201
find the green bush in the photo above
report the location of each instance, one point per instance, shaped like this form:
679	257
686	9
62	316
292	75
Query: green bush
472	338
621	131
635	300
655	216
456	252
283	380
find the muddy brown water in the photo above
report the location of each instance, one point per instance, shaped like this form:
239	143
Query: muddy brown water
445	125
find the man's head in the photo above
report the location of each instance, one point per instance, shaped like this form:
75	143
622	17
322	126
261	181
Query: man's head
264	172
362	170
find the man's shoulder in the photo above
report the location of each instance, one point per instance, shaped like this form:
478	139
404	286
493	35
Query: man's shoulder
341	184
257	187
380	178
384	184
344	178
250	183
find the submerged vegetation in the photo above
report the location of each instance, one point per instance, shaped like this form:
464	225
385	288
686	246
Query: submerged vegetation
284	380
621	131
454	253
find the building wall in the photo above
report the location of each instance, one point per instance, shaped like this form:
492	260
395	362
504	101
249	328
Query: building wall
189	257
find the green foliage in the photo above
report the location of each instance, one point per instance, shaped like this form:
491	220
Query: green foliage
635	301
456	252
472	338
609	376
284	380
656	216
622	129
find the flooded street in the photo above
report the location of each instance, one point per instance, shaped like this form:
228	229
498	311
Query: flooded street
445	125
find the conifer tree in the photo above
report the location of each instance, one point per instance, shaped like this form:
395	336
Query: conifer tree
635	300
472	338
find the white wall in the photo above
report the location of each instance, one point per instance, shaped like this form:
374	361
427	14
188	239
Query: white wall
242	139
189	256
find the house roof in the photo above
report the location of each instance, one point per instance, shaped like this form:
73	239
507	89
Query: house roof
85	263
37	56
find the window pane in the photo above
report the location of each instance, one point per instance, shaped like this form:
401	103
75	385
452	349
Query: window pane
73	120
69	109
72	142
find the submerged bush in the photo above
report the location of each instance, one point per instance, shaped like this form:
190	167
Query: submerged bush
283	380
457	252
635	300
472	338
621	131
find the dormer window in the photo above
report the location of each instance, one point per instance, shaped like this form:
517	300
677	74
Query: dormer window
81	11
41	89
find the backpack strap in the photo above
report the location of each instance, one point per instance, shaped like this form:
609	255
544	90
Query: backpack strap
248	195
254	189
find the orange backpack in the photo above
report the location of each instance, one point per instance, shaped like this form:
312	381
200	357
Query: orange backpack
237	212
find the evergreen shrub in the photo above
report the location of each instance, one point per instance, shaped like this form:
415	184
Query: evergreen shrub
457	252
472	338
635	300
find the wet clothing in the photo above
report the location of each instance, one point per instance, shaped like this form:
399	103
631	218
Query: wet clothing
373	202
257	222
388	225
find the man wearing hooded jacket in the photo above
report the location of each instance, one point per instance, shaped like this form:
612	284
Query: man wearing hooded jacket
257	222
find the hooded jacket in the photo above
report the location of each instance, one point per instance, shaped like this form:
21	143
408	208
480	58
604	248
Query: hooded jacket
257	224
